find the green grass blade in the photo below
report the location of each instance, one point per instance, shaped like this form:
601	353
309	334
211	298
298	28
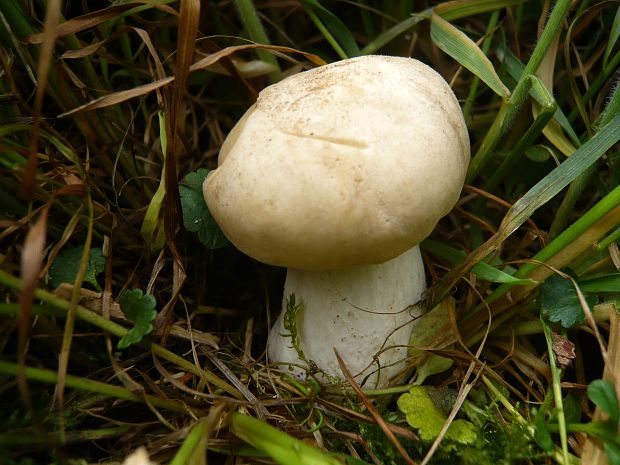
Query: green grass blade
536	197
251	22
448	10
281	447
605	283
483	270
17	19
190	452
554	23
332	28
392	33
614	34
152	230
515	154
460	47
566	238
528	86
486	44
613	237
598	83
62	148
559	178
611	110
458	9
515	68
557	391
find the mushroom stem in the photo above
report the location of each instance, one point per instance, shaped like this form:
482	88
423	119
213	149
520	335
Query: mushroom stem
365	312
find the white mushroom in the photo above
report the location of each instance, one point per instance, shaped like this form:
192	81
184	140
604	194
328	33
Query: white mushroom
337	174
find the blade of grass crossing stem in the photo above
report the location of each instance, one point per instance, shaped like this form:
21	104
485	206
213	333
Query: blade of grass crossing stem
553	131
507	113
515	69
332	28
525	141
528	85
560	177
554	23
251	22
567	207
460	47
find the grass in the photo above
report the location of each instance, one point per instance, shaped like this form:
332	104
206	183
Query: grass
107	107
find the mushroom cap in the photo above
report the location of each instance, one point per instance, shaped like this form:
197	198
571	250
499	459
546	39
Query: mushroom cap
348	164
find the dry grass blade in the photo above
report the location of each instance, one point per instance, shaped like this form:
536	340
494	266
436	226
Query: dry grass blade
31	264
119	97
52	17
261	411
463	393
373	411
122	96
357	416
81	23
188	30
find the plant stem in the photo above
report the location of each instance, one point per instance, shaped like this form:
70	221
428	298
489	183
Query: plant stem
557	391
510	108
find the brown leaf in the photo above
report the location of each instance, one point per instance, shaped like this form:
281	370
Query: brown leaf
75	25
119	97
124	95
31	263
52	17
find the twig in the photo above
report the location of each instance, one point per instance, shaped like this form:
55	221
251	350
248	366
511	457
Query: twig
373	411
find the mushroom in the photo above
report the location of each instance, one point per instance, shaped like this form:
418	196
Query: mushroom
338	173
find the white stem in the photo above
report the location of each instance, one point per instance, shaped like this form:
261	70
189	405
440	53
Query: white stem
365	312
